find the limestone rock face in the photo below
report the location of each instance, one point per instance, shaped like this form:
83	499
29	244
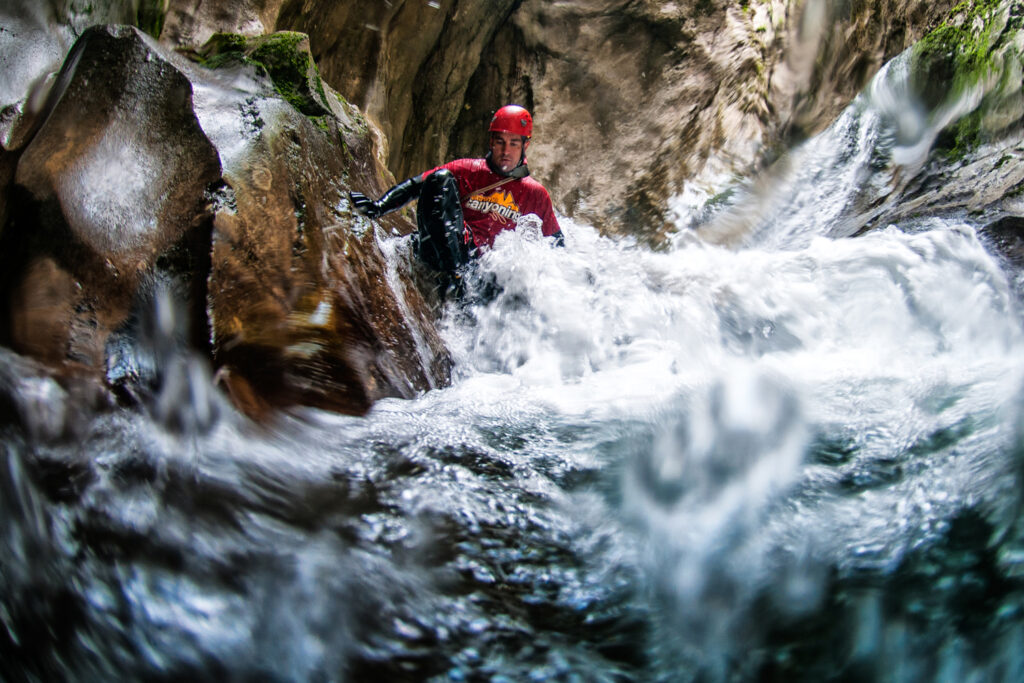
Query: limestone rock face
193	22
633	101
152	172
831	52
407	63
938	134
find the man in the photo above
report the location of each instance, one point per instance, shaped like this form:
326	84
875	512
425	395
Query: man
466	203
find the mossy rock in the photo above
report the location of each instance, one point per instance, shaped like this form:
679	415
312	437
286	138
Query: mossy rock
150	16
969	51
282	56
959	53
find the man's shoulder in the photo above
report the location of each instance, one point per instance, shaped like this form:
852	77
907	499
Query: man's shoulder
534	185
467	164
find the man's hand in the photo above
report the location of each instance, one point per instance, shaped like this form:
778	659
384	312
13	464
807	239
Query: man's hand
365	205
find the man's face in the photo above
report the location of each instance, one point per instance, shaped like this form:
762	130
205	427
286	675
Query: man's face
507	150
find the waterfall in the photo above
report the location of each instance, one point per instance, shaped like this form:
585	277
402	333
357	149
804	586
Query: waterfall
844	179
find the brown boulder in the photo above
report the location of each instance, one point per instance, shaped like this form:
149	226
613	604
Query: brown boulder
109	186
153	173
303	304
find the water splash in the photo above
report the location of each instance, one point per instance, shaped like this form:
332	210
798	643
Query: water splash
854	377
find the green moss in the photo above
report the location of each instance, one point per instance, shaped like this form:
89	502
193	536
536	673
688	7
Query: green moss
222	49
319	82
321	123
150	16
362	125
279	56
720	200
957	141
225	43
288	67
961	54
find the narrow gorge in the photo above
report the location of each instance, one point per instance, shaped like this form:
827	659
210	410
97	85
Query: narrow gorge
757	419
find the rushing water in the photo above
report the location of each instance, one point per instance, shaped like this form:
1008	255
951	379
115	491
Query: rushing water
793	459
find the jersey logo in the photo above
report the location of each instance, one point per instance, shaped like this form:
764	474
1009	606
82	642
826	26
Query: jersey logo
500	204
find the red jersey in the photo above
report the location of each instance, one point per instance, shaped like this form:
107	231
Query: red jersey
488	213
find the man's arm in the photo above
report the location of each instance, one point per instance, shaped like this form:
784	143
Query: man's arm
395	198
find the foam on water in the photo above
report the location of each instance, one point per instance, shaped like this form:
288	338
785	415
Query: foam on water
721	373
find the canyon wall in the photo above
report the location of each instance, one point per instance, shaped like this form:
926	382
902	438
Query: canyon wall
632	99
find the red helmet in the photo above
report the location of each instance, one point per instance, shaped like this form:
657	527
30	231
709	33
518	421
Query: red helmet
512	119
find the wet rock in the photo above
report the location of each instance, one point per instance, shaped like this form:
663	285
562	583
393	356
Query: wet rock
34	40
110	187
967	72
304	307
833	50
192	23
45	405
284	57
230	185
1007	234
31	48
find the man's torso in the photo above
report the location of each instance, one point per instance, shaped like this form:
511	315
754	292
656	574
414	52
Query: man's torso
489	211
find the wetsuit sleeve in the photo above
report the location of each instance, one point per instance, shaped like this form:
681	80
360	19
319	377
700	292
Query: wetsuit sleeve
395	198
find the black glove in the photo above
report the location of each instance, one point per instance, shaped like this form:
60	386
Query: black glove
365	205
395	198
